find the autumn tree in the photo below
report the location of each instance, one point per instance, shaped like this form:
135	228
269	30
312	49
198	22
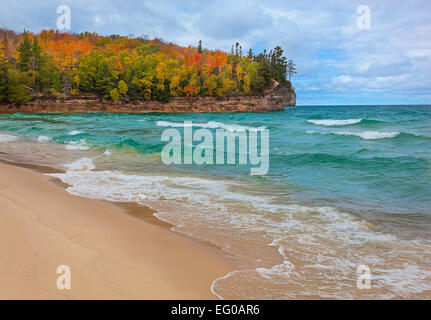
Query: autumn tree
5	50
122	88
128	68
114	94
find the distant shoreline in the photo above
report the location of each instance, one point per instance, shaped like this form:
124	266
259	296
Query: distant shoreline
275	100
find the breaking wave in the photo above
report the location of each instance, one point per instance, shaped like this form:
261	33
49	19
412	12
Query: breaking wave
208	125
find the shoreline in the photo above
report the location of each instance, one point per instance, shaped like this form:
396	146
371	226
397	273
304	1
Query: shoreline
275	98
115	251
282	242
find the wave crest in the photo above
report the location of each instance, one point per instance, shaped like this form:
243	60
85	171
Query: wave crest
366	135
74	132
83	164
332	123
78	145
43	139
208	125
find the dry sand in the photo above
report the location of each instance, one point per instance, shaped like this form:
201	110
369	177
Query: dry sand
112	254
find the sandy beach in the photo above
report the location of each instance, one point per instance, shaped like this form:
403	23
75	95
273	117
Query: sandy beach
112	254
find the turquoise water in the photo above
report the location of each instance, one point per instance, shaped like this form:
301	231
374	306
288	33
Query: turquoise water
371	163
323	162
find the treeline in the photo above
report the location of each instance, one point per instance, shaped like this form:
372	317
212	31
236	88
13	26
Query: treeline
128	68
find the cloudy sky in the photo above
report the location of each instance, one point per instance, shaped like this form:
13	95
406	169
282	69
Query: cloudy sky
338	63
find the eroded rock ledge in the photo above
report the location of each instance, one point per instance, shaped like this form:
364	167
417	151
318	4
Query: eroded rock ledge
275	99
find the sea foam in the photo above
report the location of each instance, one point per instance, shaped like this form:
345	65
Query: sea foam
74	132
193	202
83	164
43	139
78	145
7	138
370	135
208	125
366	135
331	123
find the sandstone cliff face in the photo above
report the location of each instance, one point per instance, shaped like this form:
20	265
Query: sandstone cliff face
276	100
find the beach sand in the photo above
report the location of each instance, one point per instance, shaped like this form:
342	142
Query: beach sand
111	254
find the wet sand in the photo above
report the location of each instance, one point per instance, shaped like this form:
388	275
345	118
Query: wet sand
114	251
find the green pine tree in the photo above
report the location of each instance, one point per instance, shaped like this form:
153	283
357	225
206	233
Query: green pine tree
250	54
264	70
36	55
291	69
16	93
56	80
278	65
24	54
4	79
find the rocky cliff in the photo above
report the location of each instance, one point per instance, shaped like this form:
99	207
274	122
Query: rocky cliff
275	99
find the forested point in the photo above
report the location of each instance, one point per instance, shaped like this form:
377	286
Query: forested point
129	68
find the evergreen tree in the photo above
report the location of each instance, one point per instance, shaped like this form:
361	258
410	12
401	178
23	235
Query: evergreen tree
104	81
200	47
36	53
250	54
16	93
55	80
11	89
66	80
4	78
24	54
291	69
46	73
278	65
264	70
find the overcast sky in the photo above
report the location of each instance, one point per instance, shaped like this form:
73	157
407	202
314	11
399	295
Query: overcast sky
338	63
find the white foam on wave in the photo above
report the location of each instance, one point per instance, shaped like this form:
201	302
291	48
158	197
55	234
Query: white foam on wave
366	135
120	187
319	237
7	138
78	145
209	125
74	132
331	123
370	135
83	164
43	139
